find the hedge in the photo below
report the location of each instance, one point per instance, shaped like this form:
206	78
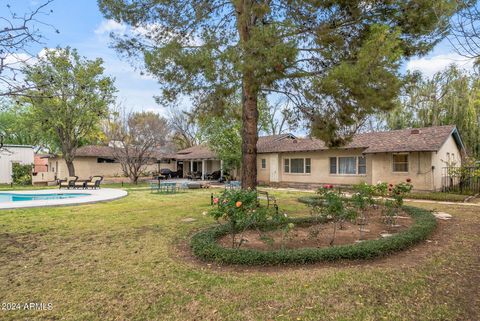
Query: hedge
204	245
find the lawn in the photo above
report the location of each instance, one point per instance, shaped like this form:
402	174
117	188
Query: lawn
128	260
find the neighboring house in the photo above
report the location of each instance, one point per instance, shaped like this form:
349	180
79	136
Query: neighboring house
99	160
418	154
10	154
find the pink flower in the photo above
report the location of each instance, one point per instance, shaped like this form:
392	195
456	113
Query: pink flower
326	186
215	200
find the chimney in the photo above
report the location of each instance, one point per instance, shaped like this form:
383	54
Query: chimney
415	131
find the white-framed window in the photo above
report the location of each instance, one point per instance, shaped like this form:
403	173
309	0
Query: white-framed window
400	163
348	165
264	163
297	165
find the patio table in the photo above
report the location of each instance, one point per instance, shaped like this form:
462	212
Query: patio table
168	187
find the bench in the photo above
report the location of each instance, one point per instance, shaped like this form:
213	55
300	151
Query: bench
263	195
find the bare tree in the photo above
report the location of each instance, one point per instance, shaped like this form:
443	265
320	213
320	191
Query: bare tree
17	33
277	118
185	129
465	30
136	138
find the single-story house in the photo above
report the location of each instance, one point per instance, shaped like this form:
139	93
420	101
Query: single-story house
392	156
10	154
99	160
289	161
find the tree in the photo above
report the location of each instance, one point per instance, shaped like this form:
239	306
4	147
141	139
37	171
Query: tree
465	30
17	33
277	118
337	61
70	98
450	97
136	138
185	129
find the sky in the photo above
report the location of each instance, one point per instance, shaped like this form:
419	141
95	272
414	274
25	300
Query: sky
83	27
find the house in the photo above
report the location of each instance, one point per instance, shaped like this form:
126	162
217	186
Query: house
10	154
99	160
393	156
419	154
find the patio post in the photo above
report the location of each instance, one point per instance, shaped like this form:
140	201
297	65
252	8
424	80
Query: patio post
203	169
221	168
191	167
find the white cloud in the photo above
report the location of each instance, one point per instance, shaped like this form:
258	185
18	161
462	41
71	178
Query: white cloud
108	26
430	65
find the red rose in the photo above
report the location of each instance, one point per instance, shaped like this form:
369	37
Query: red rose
390	189
326	186
391	185
409	180
330	186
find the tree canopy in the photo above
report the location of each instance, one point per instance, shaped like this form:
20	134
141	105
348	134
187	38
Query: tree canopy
337	61
70	98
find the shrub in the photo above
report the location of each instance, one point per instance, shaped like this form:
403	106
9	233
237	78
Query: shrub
204	245
22	174
240	211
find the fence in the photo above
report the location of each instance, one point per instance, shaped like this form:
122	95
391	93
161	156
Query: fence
464	180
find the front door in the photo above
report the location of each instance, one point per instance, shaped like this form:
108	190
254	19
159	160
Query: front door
274	168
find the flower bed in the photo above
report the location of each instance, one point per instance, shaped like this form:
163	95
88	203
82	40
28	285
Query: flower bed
205	246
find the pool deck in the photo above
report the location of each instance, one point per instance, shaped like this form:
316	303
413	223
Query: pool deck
98	195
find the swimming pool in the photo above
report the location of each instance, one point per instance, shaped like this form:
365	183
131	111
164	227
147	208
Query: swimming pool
20	197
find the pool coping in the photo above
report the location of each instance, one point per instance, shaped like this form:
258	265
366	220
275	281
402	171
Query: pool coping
96	195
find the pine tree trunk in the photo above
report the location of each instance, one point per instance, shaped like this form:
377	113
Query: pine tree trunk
249	138
245	21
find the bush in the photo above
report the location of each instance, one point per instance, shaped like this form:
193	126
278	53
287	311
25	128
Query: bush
204	245
21	174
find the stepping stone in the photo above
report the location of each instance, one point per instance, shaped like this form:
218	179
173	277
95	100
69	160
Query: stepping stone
364	230
442	215
189	220
386	234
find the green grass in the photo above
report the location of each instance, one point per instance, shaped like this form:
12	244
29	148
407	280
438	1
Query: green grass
121	261
438	196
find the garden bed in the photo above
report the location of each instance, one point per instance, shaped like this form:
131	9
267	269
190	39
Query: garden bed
319	235
207	244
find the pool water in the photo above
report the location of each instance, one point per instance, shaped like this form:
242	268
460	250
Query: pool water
16	197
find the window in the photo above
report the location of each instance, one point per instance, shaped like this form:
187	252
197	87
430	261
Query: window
347	165
333	165
297	165
105	160
400	163
362	165
350	165
264	163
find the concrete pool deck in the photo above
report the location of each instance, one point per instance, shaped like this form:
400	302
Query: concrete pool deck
98	195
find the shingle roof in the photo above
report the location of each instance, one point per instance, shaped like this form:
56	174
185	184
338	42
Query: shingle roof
107	152
196	152
404	140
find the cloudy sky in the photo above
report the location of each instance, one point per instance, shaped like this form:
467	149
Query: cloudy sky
82	26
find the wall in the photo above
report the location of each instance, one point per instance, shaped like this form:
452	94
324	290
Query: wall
320	168
85	167
419	170
13	154
379	168
440	160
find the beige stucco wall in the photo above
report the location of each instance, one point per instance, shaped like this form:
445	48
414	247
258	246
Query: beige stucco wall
320	168
439	160
379	168
419	170
85	167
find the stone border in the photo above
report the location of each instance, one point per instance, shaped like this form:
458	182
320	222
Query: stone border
98	195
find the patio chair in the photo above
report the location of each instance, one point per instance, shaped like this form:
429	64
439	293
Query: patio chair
154	186
68	183
94	182
80	183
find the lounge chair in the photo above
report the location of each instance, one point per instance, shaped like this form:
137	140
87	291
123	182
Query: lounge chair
94	182
69	182
80	183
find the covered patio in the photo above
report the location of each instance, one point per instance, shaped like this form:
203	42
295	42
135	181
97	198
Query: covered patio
199	162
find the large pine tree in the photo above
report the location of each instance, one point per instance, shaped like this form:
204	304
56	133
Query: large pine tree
337	60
